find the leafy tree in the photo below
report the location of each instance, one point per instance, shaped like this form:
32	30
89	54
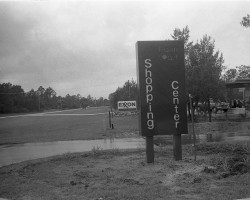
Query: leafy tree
101	102
230	75
40	96
17	98
31	101
41	90
106	102
59	101
243	71
204	71
71	101
49	93
246	21
83	102
11	98
49	98
90	100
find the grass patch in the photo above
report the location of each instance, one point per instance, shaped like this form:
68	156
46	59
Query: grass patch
124	174
97	151
213	148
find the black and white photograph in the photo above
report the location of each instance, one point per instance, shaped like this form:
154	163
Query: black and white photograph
124	100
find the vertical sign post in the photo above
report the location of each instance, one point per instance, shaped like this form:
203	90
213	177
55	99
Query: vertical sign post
162	92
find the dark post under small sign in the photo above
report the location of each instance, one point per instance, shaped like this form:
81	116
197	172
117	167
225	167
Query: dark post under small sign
162	92
177	147
150	149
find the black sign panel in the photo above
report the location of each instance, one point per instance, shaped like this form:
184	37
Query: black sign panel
161	88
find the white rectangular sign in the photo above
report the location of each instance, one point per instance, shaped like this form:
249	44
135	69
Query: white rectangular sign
126	105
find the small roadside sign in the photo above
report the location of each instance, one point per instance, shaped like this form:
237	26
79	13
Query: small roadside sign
126	105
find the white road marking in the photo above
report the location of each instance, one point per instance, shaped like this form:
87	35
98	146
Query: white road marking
74	114
61	111
27	115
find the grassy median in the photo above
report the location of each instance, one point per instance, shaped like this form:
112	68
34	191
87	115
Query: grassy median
66	125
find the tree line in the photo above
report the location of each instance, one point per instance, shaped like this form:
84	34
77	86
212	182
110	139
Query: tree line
13	99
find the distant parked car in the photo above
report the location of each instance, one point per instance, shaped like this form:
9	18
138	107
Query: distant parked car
222	106
215	107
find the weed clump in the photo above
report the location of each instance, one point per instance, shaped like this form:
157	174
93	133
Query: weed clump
227	159
214	148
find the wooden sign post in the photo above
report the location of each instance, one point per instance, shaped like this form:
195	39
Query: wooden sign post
162	92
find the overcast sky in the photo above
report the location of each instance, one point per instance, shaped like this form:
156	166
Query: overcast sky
88	47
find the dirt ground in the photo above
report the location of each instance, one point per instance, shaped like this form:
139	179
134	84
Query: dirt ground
220	172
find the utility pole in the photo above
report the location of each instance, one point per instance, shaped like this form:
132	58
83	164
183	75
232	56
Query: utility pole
39	103
192	118
128	90
39	100
61	102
